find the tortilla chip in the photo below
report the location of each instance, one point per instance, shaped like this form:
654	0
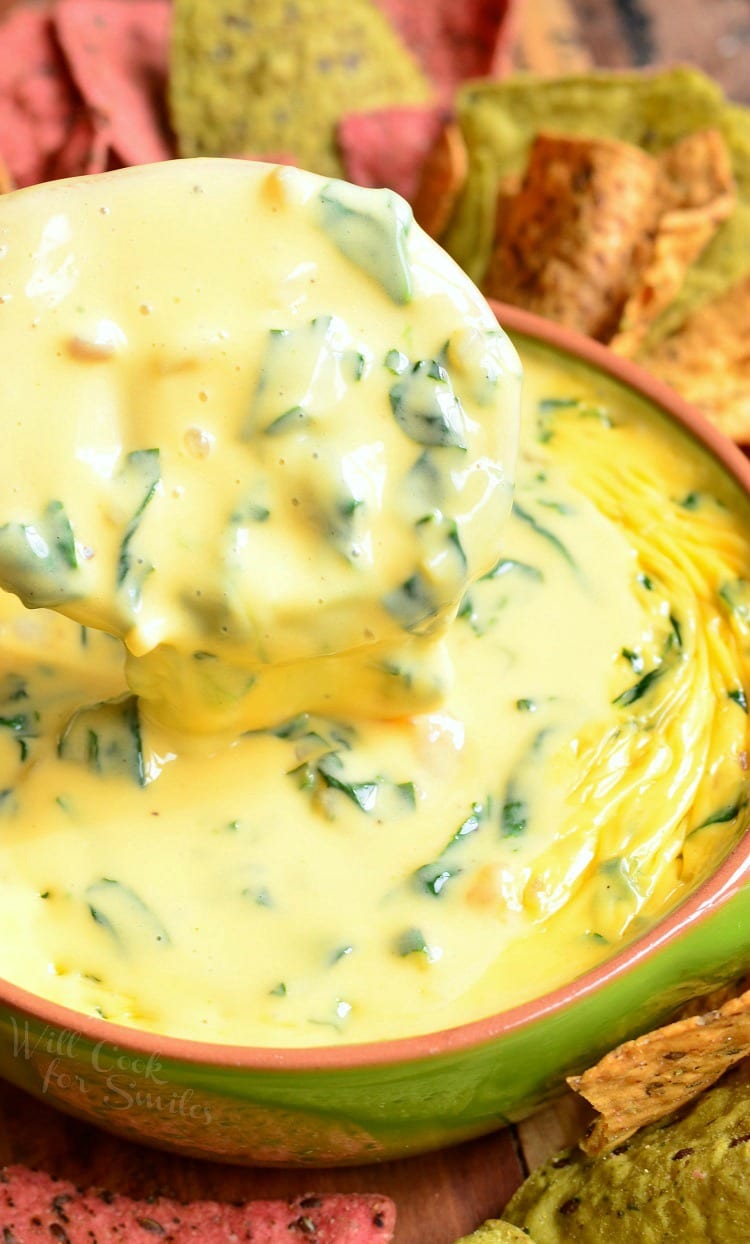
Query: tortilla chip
38	101
553	43
646	1079
684	1180
117	54
270	157
572	232
441	181
495	1231
85	150
6	181
387	147
698	194
35	1207
702	1003
454	41
287	86
707	360
499	121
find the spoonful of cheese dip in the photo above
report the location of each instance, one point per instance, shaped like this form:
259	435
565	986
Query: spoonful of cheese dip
266	437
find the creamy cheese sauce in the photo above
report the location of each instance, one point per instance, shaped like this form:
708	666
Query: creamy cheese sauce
562	755
279	429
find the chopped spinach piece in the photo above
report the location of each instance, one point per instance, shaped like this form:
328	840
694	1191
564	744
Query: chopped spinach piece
738	695
374	796
103	920
370	228
23	726
304	372
691	501
639	689
250	512
547	404
549	407
426	482
38	560
560	507
341	952
525	517
634	659
433	877
411	942
261	897
106	738
508	565
319	731
343	525
515	809
735	594
729	812
411	604
290	421
426	407
466	607
514	816
141	474
397	362
441	543
123	913
363	794
13	689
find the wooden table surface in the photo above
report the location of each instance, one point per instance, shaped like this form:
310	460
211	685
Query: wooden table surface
444	1195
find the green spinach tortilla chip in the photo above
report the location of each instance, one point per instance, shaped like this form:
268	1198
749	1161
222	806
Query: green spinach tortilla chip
500	120
684	1180
264	75
495	1231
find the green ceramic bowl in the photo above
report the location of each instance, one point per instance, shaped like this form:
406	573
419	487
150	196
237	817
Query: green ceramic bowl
372	1102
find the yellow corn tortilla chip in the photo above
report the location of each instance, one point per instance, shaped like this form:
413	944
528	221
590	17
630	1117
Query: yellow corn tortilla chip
263	75
571	235
441	181
707	360
697	191
649	1078
500	120
703	1003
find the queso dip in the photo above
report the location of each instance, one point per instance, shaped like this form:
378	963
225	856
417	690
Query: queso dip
327	746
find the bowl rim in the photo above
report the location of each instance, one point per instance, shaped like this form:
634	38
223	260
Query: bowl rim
732	874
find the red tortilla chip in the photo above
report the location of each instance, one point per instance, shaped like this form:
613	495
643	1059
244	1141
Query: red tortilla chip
388	146
35	1208
454	39
38	101
84	151
117	53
